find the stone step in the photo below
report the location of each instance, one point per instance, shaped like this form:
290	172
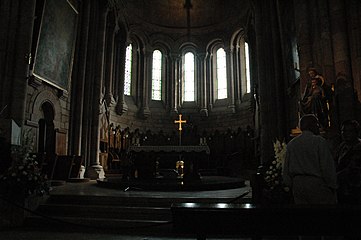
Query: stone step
130	201
133	211
98	224
106	211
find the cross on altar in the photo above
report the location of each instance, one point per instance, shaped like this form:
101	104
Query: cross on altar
180	121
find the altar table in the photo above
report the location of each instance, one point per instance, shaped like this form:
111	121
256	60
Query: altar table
147	156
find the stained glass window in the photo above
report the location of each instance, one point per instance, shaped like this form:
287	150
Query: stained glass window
248	77
128	70
188	77
221	74
157	76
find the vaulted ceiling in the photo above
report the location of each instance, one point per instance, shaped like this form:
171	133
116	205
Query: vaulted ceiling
171	15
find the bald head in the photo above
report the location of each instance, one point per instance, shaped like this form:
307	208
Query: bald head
310	122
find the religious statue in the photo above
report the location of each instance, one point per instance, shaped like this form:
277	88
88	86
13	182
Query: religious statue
315	98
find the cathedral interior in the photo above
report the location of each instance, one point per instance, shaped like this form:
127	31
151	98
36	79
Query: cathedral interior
84	78
92	78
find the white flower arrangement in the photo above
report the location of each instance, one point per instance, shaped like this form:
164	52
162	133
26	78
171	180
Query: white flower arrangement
24	177
273	175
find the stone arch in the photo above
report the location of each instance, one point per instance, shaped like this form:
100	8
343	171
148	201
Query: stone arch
37	103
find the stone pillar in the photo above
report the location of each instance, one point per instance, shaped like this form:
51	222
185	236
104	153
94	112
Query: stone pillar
237	80
303	30
122	106
326	42
203	79
21	59
179	71
173	83
96	170
230	80
146	82
78	84
269	127
209	84
341	58
88	108
354	20
339	38
109	60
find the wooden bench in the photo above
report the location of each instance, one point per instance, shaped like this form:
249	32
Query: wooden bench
214	219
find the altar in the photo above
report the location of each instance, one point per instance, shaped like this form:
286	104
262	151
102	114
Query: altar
149	160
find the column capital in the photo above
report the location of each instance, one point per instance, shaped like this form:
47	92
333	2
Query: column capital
174	56
202	56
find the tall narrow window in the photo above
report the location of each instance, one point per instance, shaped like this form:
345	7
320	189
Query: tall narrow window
189	76
248	75
157	76
128	70
221	74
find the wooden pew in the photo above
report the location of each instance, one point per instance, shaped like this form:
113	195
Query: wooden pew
214	219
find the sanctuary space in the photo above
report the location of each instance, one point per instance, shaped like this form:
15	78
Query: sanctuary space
171	119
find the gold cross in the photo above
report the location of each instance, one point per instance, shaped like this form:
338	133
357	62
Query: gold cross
180	121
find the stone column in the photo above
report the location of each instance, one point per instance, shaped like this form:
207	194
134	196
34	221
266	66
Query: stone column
122	106
342	63
269	126
209	84
339	38
174	79
88	108
326	42
354	20
230	82
237	80
173	83
21	59
203	78
302	22
146	81
97	94
78	84
109	60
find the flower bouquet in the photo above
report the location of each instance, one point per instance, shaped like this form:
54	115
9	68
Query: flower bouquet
275	191
24	177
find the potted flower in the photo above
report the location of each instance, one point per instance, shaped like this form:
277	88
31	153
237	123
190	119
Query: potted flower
275	192
23	182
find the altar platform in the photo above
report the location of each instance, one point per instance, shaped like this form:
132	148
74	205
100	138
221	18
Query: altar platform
155	168
173	184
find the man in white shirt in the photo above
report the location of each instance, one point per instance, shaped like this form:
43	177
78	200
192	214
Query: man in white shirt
309	166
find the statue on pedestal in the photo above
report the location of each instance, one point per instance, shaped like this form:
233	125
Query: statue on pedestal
315	98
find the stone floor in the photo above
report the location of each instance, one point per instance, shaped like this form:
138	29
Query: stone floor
91	188
51	235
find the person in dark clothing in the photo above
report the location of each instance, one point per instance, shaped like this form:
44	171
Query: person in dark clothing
348	164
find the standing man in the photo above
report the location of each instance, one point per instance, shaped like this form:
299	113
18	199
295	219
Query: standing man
348	164
309	166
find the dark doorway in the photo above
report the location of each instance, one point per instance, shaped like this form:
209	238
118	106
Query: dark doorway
46	130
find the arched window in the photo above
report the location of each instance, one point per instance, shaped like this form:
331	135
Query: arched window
221	74
243	61
188	89
128	70
248	75
157	75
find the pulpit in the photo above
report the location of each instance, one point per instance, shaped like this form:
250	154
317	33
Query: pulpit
148	159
